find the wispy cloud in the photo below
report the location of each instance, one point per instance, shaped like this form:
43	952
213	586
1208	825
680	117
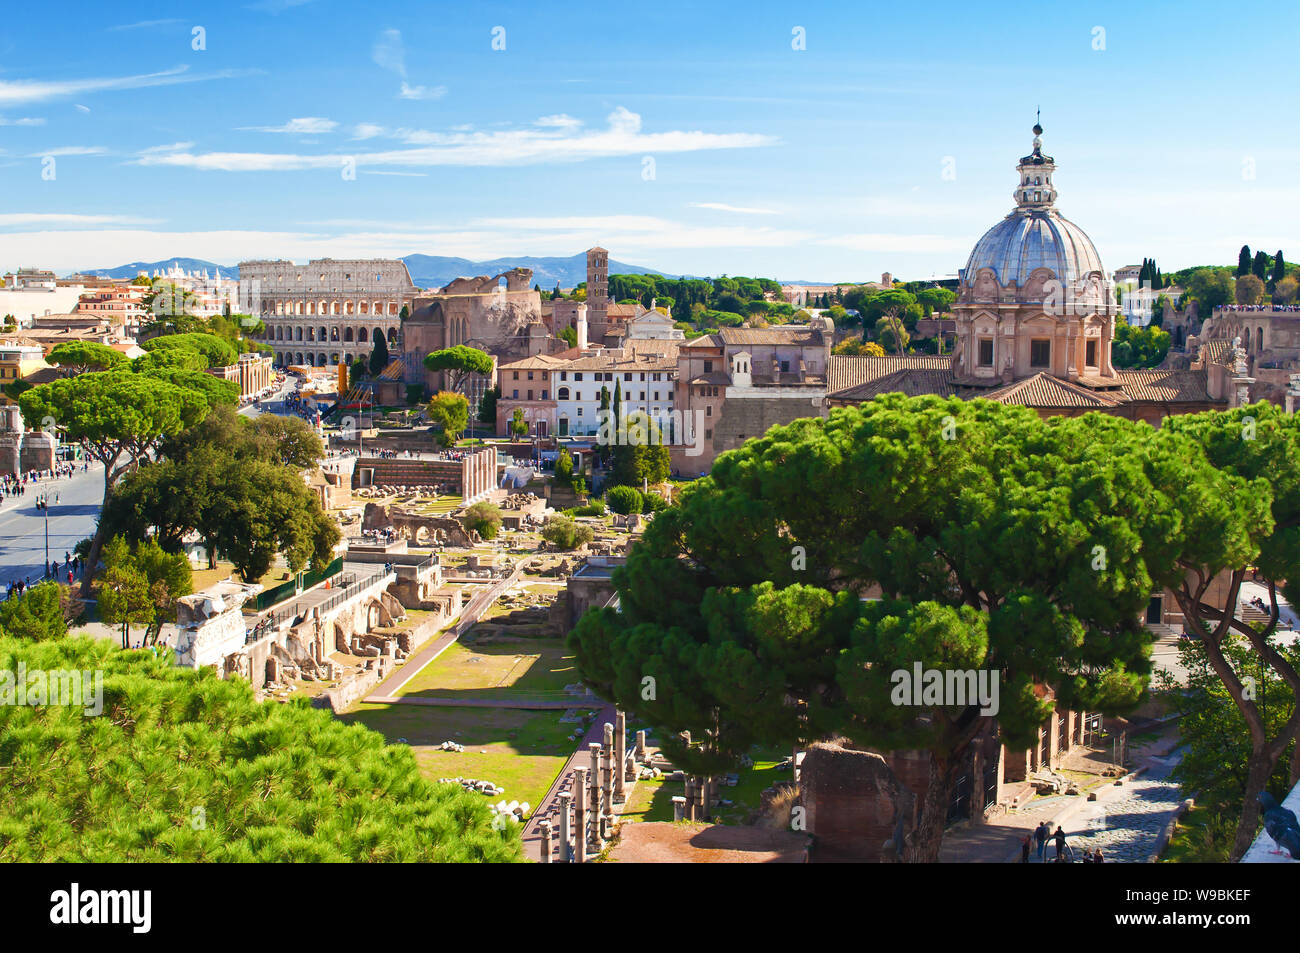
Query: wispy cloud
559	121
169	147
366	130
143	25
22	121
723	207
421	92
389	53
55	219
70	151
523	146
306	125
23	91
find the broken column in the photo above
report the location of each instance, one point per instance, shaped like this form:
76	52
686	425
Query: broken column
679	808
565	797
640	746
545	828
580	815
620	757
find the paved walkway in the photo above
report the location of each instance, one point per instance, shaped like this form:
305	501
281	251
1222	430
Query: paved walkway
549	806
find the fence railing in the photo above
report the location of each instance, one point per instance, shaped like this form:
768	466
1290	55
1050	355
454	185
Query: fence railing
283	591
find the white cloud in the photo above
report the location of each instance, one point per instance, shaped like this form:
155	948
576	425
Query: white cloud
23	121
55	219
723	207
523	146
14	92
366	130
559	121
421	92
389	53
170	147
306	125
70	151
142	25
81	108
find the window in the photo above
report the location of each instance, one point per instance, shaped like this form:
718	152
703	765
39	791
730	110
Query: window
530	395
627	377
514	395
530	375
544	397
516	373
642	375
708	434
986	352
708	411
785	367
1040	352
1090	358
708	367
577	375
564	375
579	411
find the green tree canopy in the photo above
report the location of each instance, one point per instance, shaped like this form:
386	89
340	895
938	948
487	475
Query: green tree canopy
217	350
449	411
1001	542
459	362
82	356
185	766
379	358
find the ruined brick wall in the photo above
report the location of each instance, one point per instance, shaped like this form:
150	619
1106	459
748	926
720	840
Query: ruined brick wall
854	802
745	418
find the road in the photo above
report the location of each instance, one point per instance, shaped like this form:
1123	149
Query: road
71	519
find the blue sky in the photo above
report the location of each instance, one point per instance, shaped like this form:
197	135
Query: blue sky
686	137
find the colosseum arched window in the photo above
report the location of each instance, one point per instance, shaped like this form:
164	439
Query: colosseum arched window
347	335
361	334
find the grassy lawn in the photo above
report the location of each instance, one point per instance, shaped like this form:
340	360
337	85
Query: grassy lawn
524	751
652	799
497	667
207	577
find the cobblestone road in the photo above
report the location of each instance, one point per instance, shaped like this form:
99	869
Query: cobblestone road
1126	827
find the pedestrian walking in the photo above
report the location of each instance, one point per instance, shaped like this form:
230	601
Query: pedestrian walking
1059	837
1024	849
1040	835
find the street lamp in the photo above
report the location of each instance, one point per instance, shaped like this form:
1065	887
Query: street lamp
43	503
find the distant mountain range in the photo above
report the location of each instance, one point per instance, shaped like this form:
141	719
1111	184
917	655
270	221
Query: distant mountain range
427	271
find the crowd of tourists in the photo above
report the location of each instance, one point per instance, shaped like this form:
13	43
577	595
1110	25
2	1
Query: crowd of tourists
73	568
1251	308
13	485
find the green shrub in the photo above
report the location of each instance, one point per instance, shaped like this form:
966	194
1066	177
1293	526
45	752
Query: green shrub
653	503
484	518
624	500
563	533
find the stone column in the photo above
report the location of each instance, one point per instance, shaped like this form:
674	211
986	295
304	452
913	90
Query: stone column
594	749
580	816
1053	740
565	797
640	746
679	808
690	798
545	828
620	757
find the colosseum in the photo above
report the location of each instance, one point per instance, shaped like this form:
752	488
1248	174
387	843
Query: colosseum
327	311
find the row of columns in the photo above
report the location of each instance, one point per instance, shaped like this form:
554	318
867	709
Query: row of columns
587	811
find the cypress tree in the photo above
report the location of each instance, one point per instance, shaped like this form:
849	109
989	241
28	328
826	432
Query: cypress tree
1260	266
1279	267
1243	261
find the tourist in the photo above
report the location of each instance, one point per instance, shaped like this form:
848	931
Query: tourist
1059	837
1040	835
1097	858
1024	849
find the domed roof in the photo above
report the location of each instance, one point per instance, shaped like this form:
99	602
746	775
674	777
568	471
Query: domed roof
1027	240
1035	235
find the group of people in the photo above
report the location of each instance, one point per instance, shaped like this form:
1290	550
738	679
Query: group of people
1039	838
14	485
74	567
1239	308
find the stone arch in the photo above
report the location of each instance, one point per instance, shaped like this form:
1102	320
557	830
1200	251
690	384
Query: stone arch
334	357
320	360
347	334
392	336
334	333
364	307
362	332
298	333
279	333
350	307
1259	339
377	615
322	334
298	358
334	309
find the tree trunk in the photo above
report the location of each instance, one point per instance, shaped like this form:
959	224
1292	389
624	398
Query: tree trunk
927	838
1259	767
96	541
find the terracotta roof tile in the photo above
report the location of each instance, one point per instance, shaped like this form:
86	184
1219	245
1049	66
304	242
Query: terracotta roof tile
1166	386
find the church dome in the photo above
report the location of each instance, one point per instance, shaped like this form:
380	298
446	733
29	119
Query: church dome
1027	240
1034	235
